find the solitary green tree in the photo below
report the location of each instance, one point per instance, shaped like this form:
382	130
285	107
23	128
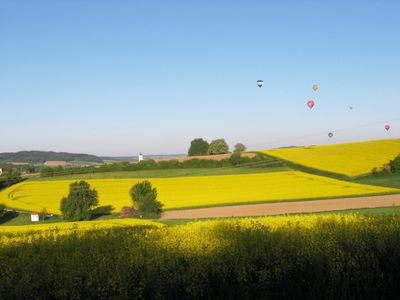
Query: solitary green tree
80	201
239	147
144	198
218	146
198	147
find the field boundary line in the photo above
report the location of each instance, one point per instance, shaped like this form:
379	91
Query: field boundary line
277	208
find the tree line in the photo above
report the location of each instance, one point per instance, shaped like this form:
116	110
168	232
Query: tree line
200	147
234	160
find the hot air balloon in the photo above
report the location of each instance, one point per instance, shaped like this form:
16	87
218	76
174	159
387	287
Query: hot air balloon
315	87
387	127
351	107
330	134
310	104
260	83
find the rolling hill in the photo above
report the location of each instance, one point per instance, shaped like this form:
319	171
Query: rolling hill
350	159
42	156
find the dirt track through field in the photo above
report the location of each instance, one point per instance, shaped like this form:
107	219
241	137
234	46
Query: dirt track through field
268	209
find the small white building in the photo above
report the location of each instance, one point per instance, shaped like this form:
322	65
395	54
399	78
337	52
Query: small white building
1	171
34	217
140	157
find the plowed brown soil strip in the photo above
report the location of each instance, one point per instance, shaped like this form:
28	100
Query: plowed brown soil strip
268	209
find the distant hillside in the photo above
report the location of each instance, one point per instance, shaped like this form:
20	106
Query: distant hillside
42	156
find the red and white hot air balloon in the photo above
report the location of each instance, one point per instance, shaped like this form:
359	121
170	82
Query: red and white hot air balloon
387	127
310	104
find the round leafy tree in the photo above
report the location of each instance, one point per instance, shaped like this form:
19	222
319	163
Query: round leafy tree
144	198
79	202
218	146
198	147
239	147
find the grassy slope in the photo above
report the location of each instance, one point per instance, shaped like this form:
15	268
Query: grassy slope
385	180
14	218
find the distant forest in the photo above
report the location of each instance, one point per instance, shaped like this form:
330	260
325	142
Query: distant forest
42	156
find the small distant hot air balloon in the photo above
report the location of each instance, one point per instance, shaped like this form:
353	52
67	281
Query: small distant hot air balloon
330	134
351	107
387	127
315	87
310	104
260	83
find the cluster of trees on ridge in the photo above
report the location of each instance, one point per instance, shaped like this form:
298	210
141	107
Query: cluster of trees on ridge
81	201
200	147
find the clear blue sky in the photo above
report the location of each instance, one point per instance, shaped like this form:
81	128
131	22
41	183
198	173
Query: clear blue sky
119	77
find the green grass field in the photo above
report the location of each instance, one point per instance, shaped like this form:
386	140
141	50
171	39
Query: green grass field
13	218
167	173
386	180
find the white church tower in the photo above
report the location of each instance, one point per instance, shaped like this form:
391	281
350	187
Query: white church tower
141	157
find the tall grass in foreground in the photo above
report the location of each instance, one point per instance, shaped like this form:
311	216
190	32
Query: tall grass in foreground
313	257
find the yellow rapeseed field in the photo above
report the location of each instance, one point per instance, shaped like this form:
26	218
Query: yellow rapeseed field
30	232
351	159
184	192
192	236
